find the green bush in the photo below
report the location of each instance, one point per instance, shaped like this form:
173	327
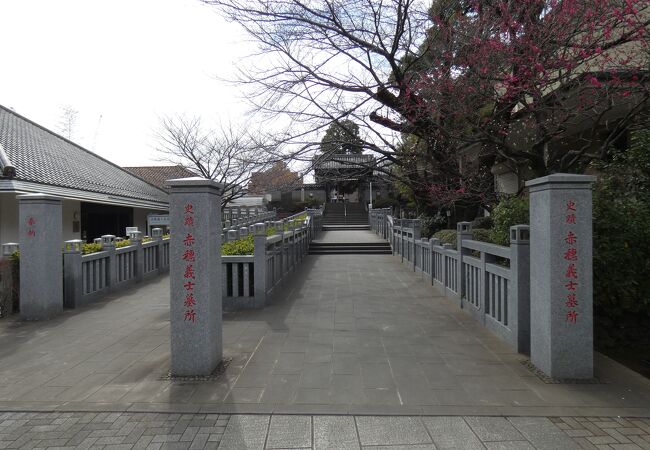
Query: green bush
432	224
621	247
87	249
446	236
244	246
481	234
449	236
124	243
509	212
483	223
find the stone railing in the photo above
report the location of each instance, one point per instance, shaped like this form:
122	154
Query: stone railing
88	277
490	281
234	217
248	281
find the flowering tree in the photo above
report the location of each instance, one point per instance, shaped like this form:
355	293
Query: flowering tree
541	85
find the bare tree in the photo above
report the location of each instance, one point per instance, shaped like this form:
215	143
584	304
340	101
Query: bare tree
451	74
227	154
68	121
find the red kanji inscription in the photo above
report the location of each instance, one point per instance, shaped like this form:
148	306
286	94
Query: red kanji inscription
571	219
189	300
189	285
190	315
570	205
571	272
571	254
571	300
572	316
189	208
189	271
571	238
189	240
189	256
571	285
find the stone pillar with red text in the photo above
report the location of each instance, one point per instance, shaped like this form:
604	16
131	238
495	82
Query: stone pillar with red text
195	276
561	284
40	224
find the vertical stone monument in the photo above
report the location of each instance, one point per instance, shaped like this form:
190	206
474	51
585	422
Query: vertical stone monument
195	276
561	285
40	224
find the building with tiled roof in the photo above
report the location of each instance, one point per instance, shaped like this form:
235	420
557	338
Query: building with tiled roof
158	175
99	197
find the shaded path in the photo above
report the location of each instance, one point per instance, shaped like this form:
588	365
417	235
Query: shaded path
351	334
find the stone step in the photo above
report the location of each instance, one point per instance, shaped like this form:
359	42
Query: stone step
342	227
350	252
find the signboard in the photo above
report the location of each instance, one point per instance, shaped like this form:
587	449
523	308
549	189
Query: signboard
158	220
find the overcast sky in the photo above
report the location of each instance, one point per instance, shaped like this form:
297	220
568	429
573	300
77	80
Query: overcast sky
121	64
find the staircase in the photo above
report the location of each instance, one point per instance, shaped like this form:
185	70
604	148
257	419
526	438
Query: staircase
345	216
350	248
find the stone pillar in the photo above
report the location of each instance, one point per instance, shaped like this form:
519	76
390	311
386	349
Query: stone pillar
561	285
41	262
259	266
195	276
463	233
108	245
519	294
72	281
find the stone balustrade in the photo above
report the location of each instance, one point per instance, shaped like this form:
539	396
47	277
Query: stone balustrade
249	280
489	281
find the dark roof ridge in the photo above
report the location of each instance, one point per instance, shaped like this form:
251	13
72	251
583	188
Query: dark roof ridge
9	110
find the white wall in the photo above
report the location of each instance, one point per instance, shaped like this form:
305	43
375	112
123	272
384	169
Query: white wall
69	208
140	217
9	218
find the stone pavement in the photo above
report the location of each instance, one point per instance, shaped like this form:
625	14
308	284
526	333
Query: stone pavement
348	236
198	431
351	334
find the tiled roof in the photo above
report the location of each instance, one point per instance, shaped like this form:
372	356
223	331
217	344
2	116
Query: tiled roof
343	161
158	175
41	156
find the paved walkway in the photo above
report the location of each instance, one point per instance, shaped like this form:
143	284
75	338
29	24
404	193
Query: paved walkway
358	352
355	334
205	431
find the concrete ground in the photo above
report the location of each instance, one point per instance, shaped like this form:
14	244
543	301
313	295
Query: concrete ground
211	431
357	351
351	335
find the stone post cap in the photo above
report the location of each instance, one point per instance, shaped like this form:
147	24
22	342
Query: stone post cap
97	240
9	248
449	246
156	233
108	240
232	235
38	197
243	231
434	241
260	229
135	235
424	239
464	227
119	239
520	234
73	246
561	181
198	182
227	224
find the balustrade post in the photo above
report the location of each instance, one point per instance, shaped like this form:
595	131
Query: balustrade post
136	239
463	233
519	298
446	276
72	273
156	236
432	243
108	245
259	264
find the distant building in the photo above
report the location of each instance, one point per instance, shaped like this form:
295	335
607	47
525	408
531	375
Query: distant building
277	178
99	197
